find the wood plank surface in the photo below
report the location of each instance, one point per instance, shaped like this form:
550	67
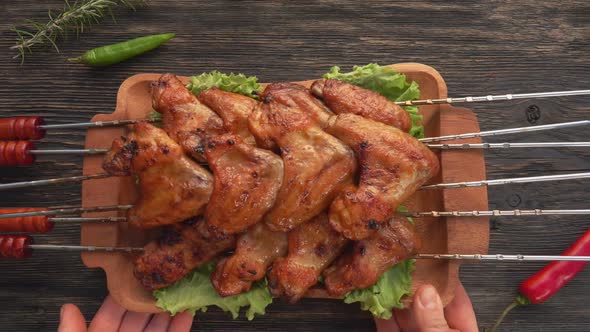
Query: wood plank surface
479	48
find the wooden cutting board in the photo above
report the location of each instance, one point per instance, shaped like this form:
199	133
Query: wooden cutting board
440	235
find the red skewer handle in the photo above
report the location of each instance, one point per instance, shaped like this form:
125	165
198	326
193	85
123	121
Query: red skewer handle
22	128
28	224
15	246
16	153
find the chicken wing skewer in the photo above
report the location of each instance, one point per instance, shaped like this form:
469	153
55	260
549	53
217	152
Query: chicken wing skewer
172	187
255	252
317	165
247	180
369	258
393	166
183	248
184	117
312	247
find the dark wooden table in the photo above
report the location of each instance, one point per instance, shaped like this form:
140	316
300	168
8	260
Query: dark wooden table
496	47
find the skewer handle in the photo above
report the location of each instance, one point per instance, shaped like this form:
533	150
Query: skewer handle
25	224
22	128
16	153
493	98
15	246
501	257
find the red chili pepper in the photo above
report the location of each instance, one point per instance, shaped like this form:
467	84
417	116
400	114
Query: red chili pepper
541	286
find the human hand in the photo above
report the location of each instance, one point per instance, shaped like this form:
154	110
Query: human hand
111	317
428	315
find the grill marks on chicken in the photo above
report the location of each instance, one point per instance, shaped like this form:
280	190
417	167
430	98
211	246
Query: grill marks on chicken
183	248
254	253
393	165
342	97
312	247
172	187
369	258
233	109
184	117
247	180
316	164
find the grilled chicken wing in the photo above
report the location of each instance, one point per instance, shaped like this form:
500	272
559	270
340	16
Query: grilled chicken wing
255	251
312	247
185	119
233	108
172	187
393	166
317	165
295	95
183	248
342	97
247	180
369	258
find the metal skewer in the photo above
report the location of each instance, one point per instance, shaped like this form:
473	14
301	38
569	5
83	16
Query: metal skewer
87	219
493	213
68	151
544	178
507	131
501	257
82	248
96	124
36	183
508	145
509	96
53	212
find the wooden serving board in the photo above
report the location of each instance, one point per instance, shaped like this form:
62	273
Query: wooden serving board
440	235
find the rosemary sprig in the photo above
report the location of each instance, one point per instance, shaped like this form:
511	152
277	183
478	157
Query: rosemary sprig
75	17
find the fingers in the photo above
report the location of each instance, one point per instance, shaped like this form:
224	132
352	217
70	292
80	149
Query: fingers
159	323
108	318
428	310
459	312
181	322
71	319
134	322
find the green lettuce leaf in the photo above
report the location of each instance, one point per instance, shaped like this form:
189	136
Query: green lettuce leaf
240	83
195	292
387	292
389	83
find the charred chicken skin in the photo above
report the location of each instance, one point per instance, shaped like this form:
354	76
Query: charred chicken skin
247	180
233	109
393	165
183	248
369	258
295	95
254	253
312	247
317	165
184	117
172	187
342	97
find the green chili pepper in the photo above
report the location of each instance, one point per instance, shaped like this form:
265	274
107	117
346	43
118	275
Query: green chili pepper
115	53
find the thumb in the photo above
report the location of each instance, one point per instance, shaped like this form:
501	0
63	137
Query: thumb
71	319
428	311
